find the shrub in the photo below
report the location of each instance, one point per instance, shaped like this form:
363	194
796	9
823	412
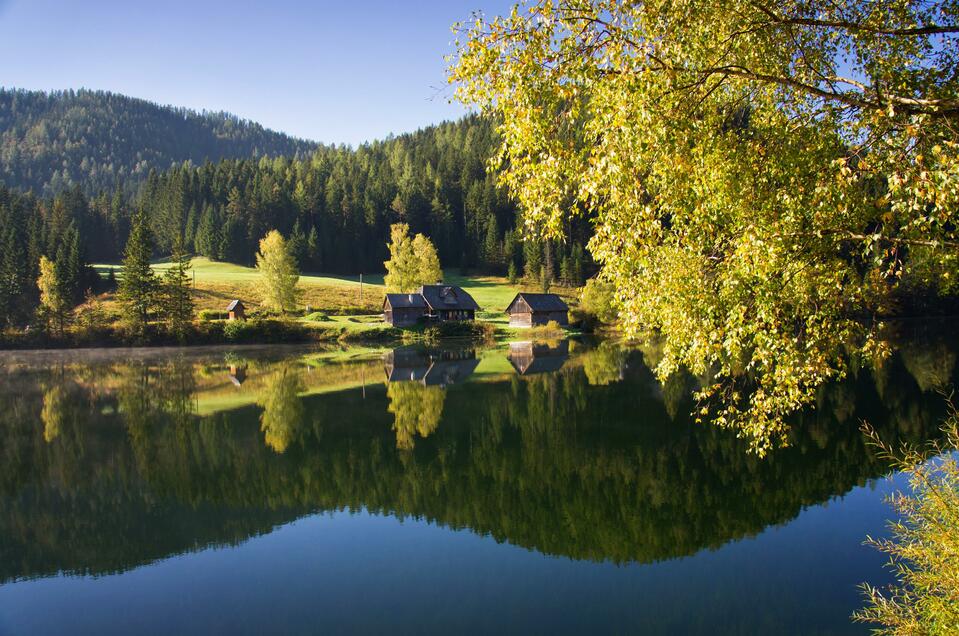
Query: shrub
922	547
597	299
550	331
206	315
478	331
316	316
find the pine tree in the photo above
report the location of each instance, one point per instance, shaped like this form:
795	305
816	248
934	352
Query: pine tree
176	304
138	285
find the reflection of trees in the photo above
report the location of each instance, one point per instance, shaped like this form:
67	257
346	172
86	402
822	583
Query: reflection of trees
546	461
54	411
417	410
604	364
283	413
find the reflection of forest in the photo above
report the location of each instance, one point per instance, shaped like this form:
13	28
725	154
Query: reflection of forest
595	461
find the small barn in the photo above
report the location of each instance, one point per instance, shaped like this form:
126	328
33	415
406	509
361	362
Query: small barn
236	310
402	310
527	310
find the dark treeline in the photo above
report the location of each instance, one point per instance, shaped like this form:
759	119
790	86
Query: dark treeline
50	142
335	207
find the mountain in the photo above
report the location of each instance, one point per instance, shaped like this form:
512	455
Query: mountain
52	141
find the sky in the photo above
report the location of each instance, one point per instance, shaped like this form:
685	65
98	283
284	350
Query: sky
343	71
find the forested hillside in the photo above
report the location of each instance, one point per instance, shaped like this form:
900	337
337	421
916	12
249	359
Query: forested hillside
335	206
52	141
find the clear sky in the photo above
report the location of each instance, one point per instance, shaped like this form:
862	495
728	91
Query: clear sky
342	71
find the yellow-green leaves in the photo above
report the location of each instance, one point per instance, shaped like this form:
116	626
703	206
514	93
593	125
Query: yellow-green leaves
760	176
279	274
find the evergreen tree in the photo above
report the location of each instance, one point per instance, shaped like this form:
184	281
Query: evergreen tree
138	285
176	304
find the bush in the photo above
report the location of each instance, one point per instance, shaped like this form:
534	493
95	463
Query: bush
263	331
597	299
550	331
316	316
207	315
478	331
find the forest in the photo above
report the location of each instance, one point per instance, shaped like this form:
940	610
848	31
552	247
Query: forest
335	207
50	142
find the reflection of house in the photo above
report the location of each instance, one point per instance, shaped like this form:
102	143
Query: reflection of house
430	302
527	310
237	374
431	368
528	357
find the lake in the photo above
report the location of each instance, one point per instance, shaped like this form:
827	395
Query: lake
548	488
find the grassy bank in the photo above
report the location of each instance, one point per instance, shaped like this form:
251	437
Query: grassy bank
334	308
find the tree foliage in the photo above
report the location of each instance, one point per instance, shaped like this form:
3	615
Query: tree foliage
176	303
137	289
53	294
924	547
278	273
52	141
759	175
413	261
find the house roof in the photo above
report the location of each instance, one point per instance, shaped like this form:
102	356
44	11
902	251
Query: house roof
540	302
234	304
402	301
447	297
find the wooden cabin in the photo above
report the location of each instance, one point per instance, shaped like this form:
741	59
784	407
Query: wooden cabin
402	310
448	302
236	310
527	310
439	303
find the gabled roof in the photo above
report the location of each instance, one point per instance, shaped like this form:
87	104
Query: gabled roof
234	304
540	302
447	297
404	301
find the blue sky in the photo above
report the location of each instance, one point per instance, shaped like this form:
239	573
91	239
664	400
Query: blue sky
336	72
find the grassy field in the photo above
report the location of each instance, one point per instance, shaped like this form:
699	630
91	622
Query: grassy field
218	283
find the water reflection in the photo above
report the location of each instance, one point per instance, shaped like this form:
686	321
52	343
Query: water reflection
430	367
538	357
565	449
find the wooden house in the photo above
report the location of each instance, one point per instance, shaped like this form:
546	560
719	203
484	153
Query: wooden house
448	302
402	310
439	303
527	310
236	310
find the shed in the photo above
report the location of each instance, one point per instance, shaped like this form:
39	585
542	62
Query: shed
236	310
528	309
401	310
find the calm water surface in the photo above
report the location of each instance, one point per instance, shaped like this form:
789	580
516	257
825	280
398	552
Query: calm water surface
546	489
